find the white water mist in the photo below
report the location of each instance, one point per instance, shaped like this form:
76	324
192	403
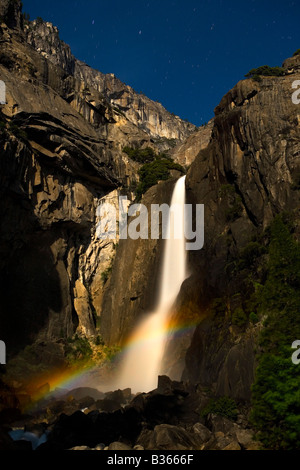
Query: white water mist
142	360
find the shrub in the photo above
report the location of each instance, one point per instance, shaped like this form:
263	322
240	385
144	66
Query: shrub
265	71
99	341
78	349
235	208
155	168
226	190
151	173
296	181
234	211
250	253
239	317
276	401
105	274
253	317
146	155
17	131
39	21
223	406
297	52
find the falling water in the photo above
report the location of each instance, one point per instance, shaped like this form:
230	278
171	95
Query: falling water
141	363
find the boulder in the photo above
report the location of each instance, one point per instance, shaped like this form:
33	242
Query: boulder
245	439
167	437
82	392
118	396
80	448
233	446
202	433
81	429
118	446
108	405
100	446
218	423
86	402
217	442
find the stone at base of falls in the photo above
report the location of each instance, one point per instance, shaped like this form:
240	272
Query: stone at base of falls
202	432
119	446
80	448
166	385
168	437
233	446
168	418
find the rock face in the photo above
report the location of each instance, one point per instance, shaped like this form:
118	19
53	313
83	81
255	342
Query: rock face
135	260
53	174
254	155
10	13
149	116
168	437
62	132
292	64
244	176
61	156
44	37
185	153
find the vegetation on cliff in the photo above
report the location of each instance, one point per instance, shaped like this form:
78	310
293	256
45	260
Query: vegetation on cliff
86	352
276	399
265	71
223	406
158	170
146	155
266	276
156	167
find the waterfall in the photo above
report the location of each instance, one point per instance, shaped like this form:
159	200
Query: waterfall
142	359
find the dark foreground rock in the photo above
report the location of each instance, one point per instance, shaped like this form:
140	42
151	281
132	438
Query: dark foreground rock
168	418
80	429
167	437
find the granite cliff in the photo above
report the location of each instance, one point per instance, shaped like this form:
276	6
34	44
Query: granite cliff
63	130
149	116
245	175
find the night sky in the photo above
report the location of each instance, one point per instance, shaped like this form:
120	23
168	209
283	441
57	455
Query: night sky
185	54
